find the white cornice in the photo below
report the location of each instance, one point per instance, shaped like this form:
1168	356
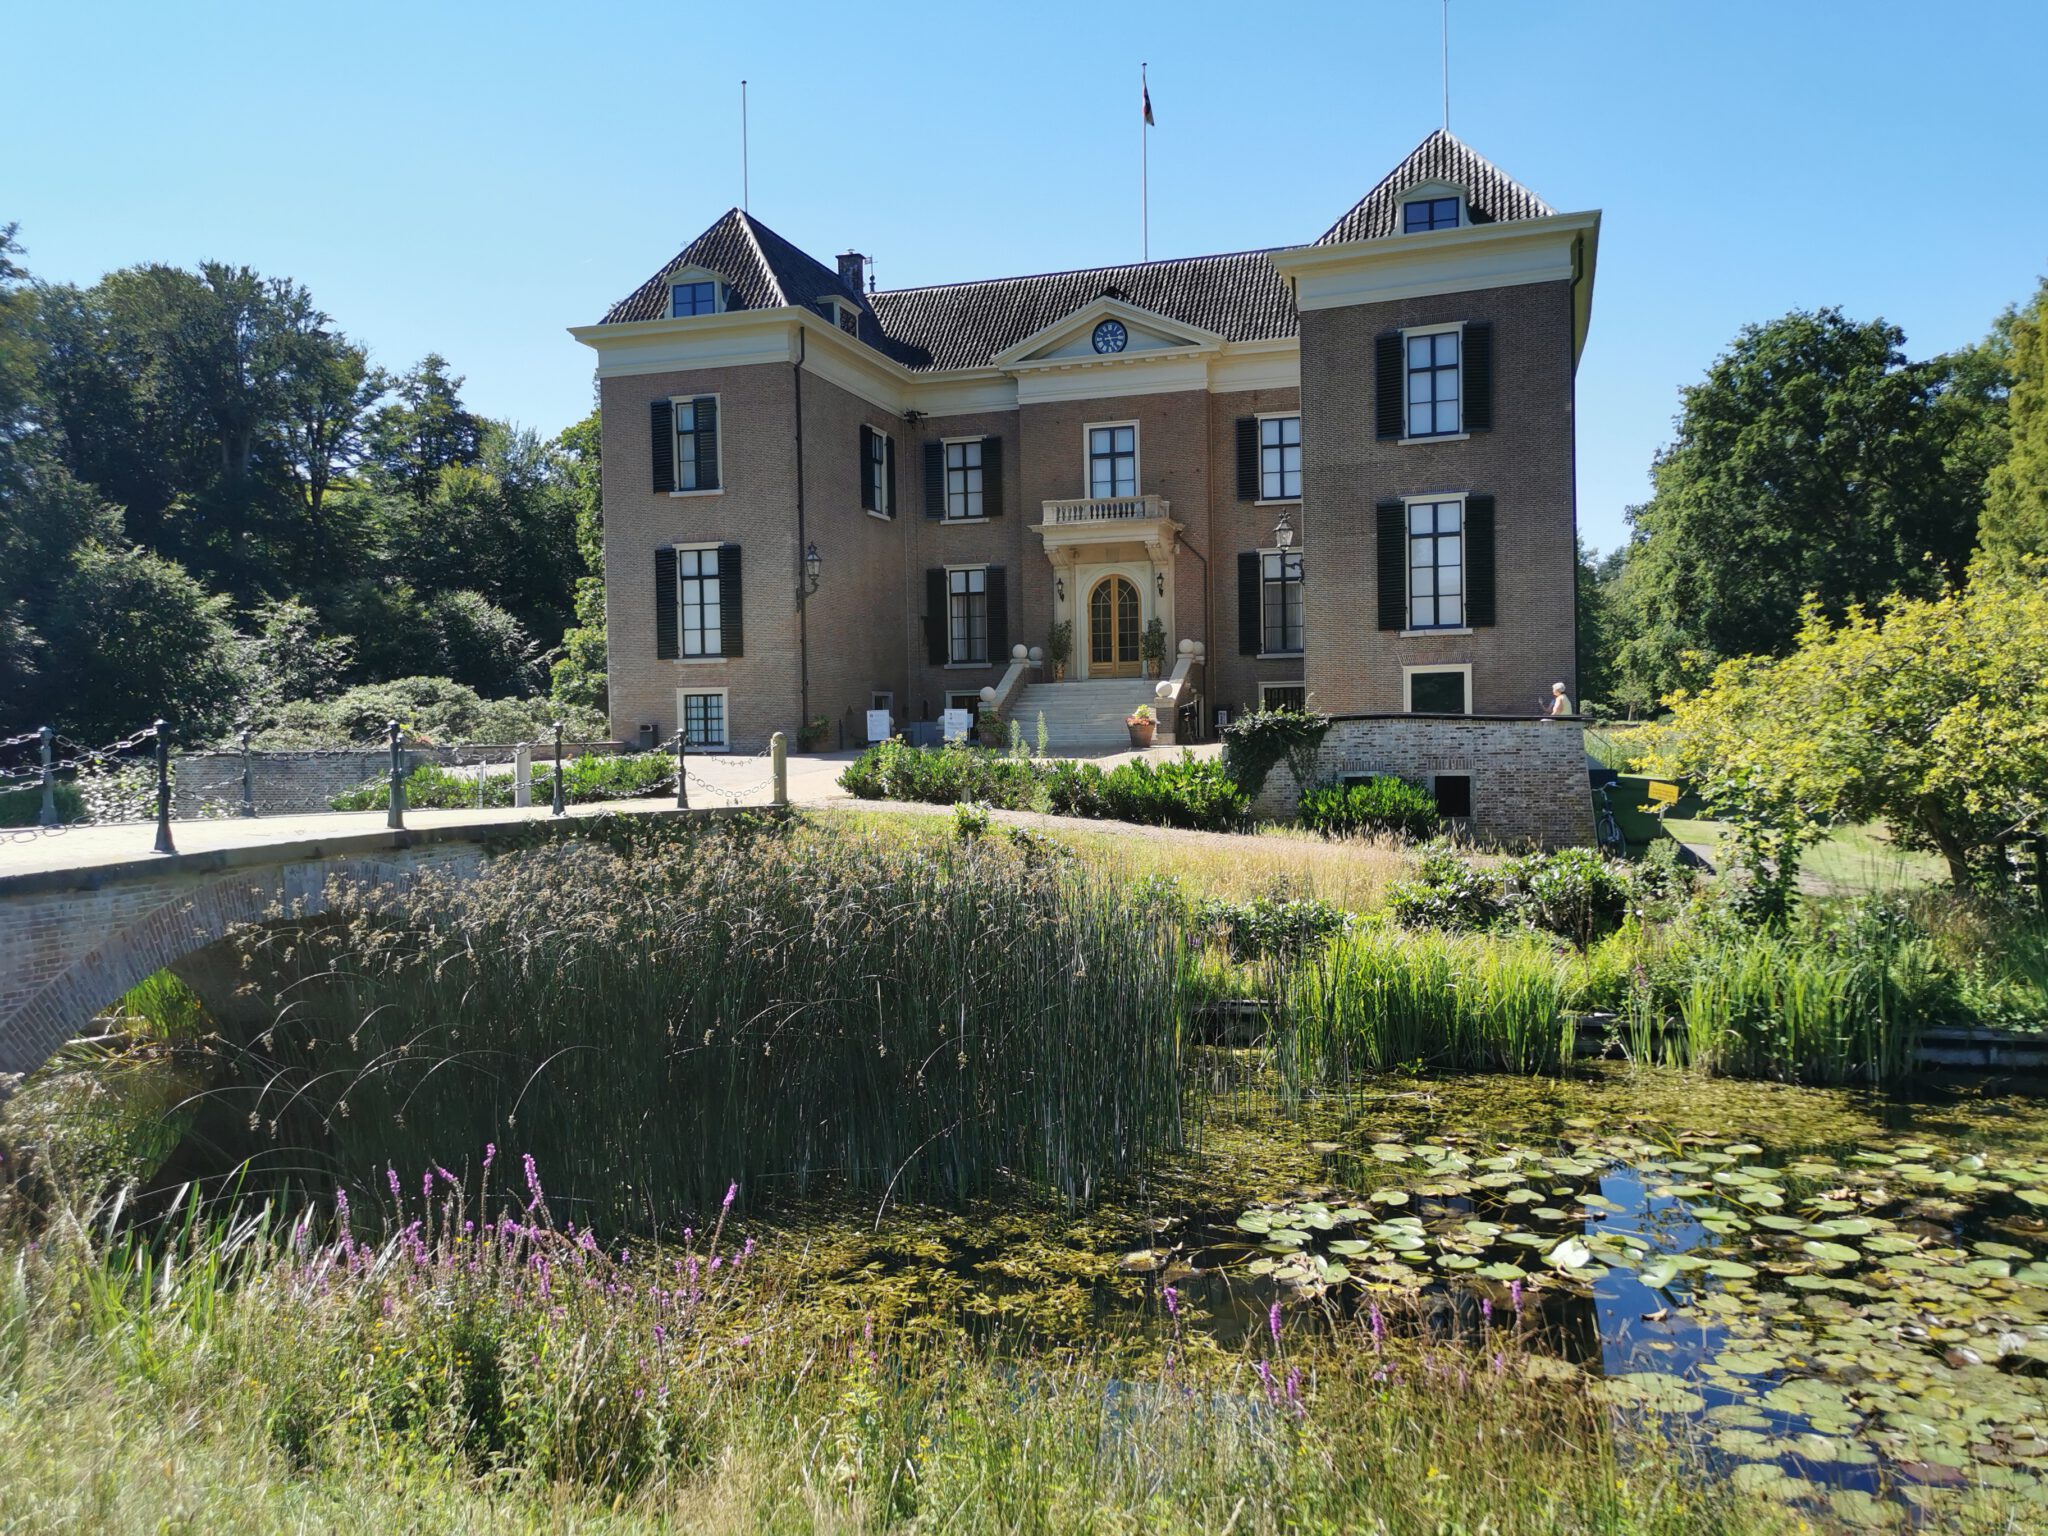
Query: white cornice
1557	248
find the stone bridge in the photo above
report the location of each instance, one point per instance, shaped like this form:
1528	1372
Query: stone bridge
84	915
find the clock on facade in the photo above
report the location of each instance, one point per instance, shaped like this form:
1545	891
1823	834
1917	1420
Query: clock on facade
1110	336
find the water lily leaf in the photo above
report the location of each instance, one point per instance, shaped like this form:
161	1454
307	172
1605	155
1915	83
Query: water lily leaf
1390	1152
1255	1221
1731	1269
1831	1253
1652	1391
1659	1272
1501	1272
1863	1510
1390	1197
1349	1246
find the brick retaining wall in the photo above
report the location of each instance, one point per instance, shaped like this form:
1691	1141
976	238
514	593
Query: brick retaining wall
1529	781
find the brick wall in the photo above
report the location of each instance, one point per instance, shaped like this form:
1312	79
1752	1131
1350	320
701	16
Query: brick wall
1233	527
1529	781
756	509
1525	462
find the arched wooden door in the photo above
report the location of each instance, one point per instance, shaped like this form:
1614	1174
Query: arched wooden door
1113	629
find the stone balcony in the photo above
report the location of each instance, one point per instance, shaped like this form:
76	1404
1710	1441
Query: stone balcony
1105	509
1099	523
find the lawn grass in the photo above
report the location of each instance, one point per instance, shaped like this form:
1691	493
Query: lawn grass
1850	861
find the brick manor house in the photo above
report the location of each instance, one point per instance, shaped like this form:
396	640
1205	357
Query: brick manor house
1338	473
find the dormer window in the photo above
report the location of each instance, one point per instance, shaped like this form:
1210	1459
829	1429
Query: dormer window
696	297
841	314
1423	214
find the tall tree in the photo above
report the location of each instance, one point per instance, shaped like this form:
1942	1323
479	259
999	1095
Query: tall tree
579	676
2016	500
424	429
1814	458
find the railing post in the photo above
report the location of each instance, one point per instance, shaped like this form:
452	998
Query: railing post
248	776
522	776
561	800
47	816
683	768
778	758
162	731
394	733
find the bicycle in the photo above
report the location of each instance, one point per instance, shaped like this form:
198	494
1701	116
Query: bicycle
1606	829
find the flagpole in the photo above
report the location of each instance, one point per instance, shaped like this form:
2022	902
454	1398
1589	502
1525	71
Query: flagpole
1144	168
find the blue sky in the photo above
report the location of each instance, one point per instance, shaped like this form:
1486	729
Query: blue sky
471	179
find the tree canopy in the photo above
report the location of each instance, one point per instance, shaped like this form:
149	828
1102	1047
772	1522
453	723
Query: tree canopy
2016	503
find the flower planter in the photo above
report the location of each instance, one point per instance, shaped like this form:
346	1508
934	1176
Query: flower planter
1142	731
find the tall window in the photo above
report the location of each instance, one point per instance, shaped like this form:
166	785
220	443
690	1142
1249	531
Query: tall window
693	299
1433	384
704	719
963	479
1112	461
877	471
1436	564
697	570
1282	580
696	444
1427	213
1280	458
967	614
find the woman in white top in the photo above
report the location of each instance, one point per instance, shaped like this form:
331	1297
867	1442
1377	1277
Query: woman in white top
1560	701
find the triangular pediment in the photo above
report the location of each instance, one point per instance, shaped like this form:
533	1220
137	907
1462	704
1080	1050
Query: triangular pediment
1072	337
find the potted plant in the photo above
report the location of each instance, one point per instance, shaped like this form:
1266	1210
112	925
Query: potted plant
1142	724
988	726
1059	648
1153	646
812	735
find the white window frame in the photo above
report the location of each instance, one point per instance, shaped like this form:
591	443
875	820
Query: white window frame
1088	429
1266	688
968	699
682	610
1431	192
1264	555
951	660
1459	435
684	694
946	446
1262	418
675	447
691	279
1410	673
878	468
1435	499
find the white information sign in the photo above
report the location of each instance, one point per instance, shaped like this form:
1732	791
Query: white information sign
878	725
956	723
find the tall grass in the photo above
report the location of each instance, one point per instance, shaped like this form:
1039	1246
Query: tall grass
478	1369
776	1007
1381	998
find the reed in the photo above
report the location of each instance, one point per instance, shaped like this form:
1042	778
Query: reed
777	1007
1380	998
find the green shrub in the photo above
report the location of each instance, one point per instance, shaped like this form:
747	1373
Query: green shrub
1182	792
893	770
585	780
1448	891
1380	806
1255	741
1576	893
22	807
433	710
1269	927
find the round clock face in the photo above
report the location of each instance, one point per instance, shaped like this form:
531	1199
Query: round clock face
1110	336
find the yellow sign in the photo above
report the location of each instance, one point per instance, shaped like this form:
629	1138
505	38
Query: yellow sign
1663	794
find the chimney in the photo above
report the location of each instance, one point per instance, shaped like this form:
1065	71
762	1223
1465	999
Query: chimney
853	271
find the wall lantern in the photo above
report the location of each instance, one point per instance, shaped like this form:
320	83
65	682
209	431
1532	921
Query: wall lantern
1159	582
1059	588
812	565
1283	533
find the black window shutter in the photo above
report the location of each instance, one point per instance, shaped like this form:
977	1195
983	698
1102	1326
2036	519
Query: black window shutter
1251	626
889	472
731	635
1247	458
1388	398
998	616
707	444
665	647
991	477
1480	603
1393	563
867	475
1479	377
934	479
935	615
662	427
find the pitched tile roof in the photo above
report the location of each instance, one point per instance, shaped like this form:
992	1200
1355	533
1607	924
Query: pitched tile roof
1239	296
962	325
1490	193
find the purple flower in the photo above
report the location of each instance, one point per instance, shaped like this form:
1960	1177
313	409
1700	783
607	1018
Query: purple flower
1486	1310
445	1174
1273	1321
391	1177
532	1179
1294	1392
490	1156
1379	1327
1266	1379
1515	1295
341	1205
731	1195
1172	1299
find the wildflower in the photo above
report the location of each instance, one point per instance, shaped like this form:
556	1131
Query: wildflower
1379	1327
1172	1299
1294	1393
731	1195
1273	1321
1266	1379
532	1179
1486	1310
391	1177
1515	1295
490	1156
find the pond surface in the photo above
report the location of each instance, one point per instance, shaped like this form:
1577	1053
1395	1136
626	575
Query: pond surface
1840	1297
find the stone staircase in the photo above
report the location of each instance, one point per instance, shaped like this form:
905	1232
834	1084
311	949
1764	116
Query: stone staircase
1082	716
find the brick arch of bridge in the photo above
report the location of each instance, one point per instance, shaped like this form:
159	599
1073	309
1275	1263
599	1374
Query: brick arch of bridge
67	951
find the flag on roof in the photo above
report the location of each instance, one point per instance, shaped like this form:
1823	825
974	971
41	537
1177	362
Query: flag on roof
1147	89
